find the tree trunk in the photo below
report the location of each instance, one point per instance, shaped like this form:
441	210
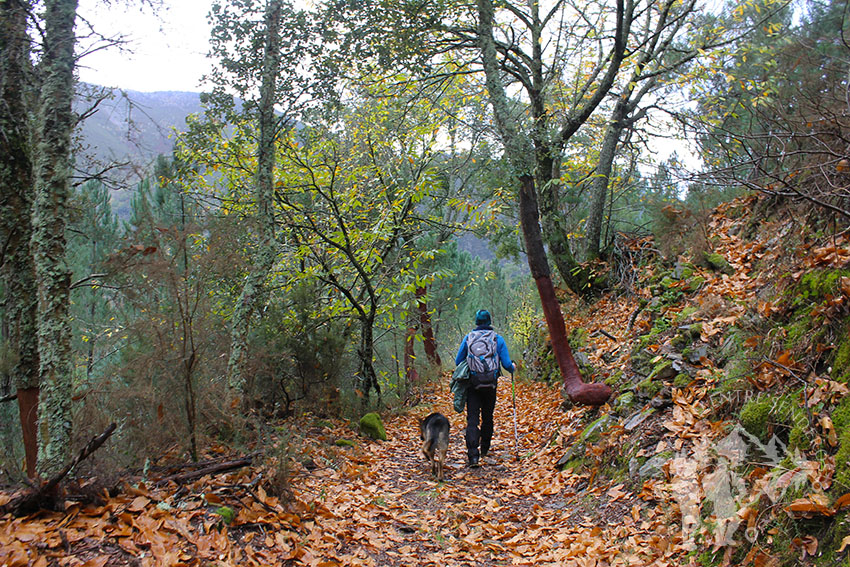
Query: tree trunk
16	194
578	392
599	184
553	229
52	190
265	254
367	378
410	373
428	339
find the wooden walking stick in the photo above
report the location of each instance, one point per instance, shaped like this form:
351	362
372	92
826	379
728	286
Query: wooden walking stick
516	436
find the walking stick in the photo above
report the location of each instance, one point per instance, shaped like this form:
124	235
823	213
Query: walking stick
516	436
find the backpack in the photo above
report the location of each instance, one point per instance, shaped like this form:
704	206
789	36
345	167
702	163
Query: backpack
482	358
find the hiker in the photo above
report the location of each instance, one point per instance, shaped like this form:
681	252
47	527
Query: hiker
484	350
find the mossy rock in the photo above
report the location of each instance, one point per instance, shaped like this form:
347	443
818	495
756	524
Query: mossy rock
755	416
682	380
345	443
578	338
760	415
227	514
684	314
718	263
695	283
649	388
687	336
625	401
662	371
371	425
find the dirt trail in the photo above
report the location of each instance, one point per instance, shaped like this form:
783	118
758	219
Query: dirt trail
382	507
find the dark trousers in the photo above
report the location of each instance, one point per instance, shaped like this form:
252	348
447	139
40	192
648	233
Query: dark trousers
479	403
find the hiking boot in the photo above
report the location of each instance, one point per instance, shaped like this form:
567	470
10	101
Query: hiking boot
473	462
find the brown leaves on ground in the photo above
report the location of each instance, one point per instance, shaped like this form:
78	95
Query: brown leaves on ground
374	504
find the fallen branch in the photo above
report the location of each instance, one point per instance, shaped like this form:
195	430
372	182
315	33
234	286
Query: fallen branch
9	398
606	333
46	495
213	469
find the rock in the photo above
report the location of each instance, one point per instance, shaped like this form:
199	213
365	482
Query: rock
662	371
653	468
581	359
718	263
638	418
663	400
371	425
345	443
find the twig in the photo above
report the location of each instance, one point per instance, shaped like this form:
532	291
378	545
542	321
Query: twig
607	334
9	398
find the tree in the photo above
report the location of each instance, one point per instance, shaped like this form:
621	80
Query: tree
265	252
52	191
277	72
535	154
351	200
16	195
772	118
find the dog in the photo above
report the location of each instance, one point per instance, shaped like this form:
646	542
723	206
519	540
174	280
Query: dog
434	432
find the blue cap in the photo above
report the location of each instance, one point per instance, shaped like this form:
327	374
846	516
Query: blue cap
482	317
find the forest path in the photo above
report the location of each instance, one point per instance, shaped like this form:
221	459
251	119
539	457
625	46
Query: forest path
381	506
376	503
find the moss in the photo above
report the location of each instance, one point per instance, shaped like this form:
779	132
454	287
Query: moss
755	414
227	514
818	284
371	425
841	416
649	387
345	443
842	462
718	263
682	380
841	360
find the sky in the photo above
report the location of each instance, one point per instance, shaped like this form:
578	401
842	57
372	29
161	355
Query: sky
166	50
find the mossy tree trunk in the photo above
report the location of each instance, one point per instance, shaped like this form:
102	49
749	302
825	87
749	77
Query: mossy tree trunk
52	191
16	194
265	254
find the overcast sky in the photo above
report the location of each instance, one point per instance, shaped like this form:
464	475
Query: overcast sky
166	50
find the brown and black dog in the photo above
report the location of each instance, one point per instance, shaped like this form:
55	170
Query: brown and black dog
434	432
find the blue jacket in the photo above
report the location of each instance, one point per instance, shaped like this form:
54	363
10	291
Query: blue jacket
501	350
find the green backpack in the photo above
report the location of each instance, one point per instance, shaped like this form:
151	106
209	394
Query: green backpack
460	382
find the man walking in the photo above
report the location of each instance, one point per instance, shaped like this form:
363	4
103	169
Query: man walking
484	350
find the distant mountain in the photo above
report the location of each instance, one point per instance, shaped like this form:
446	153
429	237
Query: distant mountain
130	127
136	125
